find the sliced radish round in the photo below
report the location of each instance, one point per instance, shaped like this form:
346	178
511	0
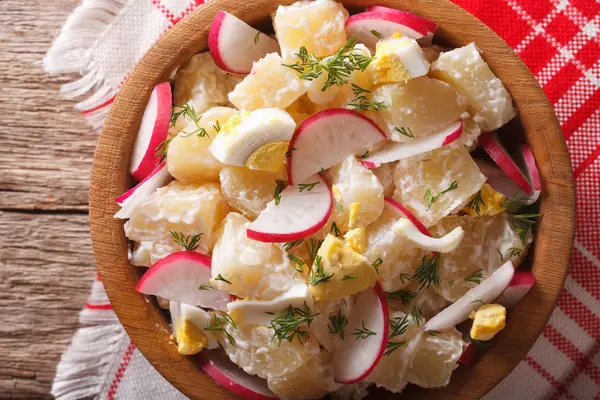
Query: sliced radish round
303	210
217	365
518	287
180	277
153	131
487	291
531	170
393	151
385	23
357	356
500	182
328	138
235	45
493	146
430	25
402	211
468	356
142	191
445	244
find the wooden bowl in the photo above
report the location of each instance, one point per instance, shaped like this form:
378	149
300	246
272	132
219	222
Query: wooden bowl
549	260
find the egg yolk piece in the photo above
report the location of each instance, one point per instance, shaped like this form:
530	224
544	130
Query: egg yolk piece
268	157
397	60
485	202
488	321
190	338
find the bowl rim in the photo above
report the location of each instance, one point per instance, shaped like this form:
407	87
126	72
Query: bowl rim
143	320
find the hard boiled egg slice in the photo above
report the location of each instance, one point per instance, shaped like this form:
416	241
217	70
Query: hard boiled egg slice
445	244
257	312
257	139
398	60
188	328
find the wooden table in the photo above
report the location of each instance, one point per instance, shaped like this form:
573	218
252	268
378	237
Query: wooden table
46	261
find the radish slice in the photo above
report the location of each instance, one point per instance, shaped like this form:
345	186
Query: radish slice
496	150
153	131
385	23
355	358
500	182
468	356
397	151
180	277
487	291
518	287
235	45
142	191
217	365
445	244
531	170
403	212
328	138
302	211
430	25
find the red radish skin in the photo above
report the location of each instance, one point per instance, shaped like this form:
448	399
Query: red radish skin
228	375
274	214
142	191
533	174
518	287
430	25
347	132
185	271
394	151
397	207
235	46
498	180
348	353
467	358
384	22
154	129
492	145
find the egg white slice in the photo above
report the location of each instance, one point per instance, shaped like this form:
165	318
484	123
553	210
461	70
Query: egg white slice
195	315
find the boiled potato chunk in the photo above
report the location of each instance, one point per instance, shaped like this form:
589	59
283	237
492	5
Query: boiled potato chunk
434	184
385	175
188	158
489	101
189	209
316	25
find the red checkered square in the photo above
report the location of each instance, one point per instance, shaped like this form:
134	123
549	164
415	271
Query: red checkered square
562	81
588	206
562	28
589	53
589	8
537	53
585	273
537	9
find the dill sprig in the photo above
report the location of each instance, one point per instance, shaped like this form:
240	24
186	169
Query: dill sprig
475	277
476	203
162	149
307	186
433	333
189	242
337	205
338	67
289	152
220	323
313	247
362	102
364	332
298	262
428	273
289	324
417	315
217	126
317	275
335	230
188	111
451	283
404	295
430	198
398	327
405	131
220	278
290	245
349	277
256	38
206	287
500	254
338	324
483	303
364	155
377	263
406	277
279	185
514	252
377	34
522	217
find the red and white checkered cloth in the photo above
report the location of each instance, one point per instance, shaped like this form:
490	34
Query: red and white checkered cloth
560	42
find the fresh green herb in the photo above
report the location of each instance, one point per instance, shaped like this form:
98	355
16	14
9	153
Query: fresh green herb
337	205
206	287
514	252
299	263
219	324
500	254
269	312
220	278
364	155
278	189
377	263
430	198
338	324
324	175
476	203
416	315
290	245
307	186
451	283
404	276
217	126
161	149
256	38
335	230
291	322
475	277
523	217
349	277
428	273
288	153
362	102
432	333
404	295
391	345
398	327
188	111
377	34
405	131
483	303
338	67
317	275
364	332
189	242
313	247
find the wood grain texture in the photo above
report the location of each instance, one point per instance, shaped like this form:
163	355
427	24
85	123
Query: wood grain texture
555	231
46	260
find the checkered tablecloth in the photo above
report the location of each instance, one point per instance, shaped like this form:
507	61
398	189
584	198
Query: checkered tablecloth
560	42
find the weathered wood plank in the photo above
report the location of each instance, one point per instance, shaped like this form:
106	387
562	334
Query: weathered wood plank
46	269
